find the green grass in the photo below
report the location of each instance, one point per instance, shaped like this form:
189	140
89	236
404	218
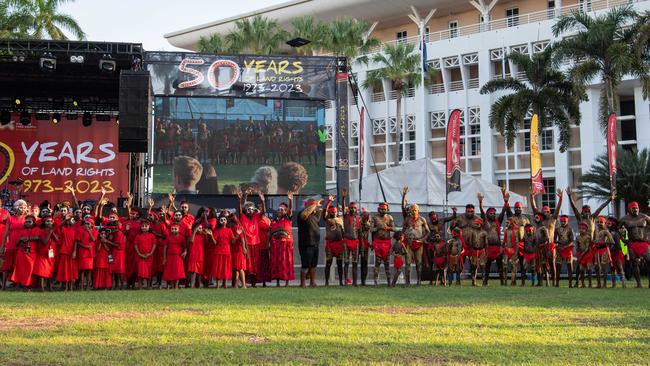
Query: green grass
236	174
327	326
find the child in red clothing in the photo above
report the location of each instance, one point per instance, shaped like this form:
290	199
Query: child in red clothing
44	266
85	251
145	246
221	268
173	255
197	255
102	270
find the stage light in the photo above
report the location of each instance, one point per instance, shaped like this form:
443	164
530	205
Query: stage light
87	119
25	118
75	103
298	42
5	118
77	59
107	64
17	103
48	62
18	58
56	118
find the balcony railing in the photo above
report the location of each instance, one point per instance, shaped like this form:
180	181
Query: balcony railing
472	83
521	75
456	85
378	97
437	88
504	76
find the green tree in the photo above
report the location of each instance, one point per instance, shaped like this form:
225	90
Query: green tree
14	21
257	35
314	31
547	93
603	48
400	66
213	44
632	178
347	37
45	21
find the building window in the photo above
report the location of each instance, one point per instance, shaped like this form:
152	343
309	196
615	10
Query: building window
551	9
401	37
475	146
512	17
548	197
438	120
453	29
585	5
546	140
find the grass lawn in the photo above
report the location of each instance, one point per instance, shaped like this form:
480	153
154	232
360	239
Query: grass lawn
328	326
236	174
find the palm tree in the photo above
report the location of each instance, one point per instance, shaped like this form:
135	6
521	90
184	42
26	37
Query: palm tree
213	44
257	35
13	21
604	48
45	21
314	31
347	37
547	93
632	178
399	65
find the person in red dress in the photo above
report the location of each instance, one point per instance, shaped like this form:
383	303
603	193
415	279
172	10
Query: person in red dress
144	246
264	264
250	217
26	241
197	255
159	230
66	270
173	254
4	217
85	238
282	244
238	253
116	241
102	269
7	244
44	266
221	264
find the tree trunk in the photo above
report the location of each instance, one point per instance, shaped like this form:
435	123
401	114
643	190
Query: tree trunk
398	127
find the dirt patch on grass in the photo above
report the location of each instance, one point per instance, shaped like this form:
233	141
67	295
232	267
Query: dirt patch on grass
37	323
258	340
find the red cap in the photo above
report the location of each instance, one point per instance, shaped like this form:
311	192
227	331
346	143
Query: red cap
517	204
530	228
564	218
632	204
491	209
383	205
546	209
331	209
602	219
582	224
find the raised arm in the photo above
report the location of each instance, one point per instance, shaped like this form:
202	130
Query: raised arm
450	218
576	213
100	202
240	202
74	196
262	201
533	205
290	200
129	201
480	204
602	207
171	207
404	192
558	207
345	195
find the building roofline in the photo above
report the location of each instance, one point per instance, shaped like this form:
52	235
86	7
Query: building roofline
283	5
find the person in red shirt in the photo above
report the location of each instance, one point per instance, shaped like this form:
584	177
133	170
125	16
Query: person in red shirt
131	230
66	269
26	240
44	266
249	218
173	254
85	238
116	241
221	265
238	253
102	269
196	258
282	245
264	229
144	246
159	230
8	245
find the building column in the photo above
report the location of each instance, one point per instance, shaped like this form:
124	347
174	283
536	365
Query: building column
642	116
488	141
561	171
485	10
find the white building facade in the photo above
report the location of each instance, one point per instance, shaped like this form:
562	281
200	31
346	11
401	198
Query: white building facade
467	41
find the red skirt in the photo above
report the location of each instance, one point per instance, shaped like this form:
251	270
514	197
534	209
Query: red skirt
415	245
264	264
23	268
398	261
144	267
353	244
335	247
441	262
44	267
221	267
102	278
253	260
638	248
66	269
382	249
8	260
586	259
281	259
510	252
174	268
529	257
117	267
618	258
566	253
196	258
238	257
85	263
365	243
493	252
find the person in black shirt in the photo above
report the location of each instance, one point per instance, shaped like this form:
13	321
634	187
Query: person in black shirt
308	240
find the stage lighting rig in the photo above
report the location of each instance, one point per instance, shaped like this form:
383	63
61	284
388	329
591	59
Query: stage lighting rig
18	103
56	118
106	63
48	62
87	119
25	118
77	59
18	58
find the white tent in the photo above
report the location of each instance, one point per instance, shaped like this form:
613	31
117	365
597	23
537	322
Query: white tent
426	181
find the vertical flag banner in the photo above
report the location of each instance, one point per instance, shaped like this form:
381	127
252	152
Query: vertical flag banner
535	160
362	157
453	151
611	149
423	48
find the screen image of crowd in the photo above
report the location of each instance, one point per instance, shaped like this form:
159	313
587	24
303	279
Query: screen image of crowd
219	155
73	245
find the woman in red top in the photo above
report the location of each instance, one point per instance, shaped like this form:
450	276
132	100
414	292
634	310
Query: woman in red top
173	254
116	240
144	246
197	255
282	246
238	253
221	264
8	246
102	269
66	269
44	266
159	230
26	239
85	251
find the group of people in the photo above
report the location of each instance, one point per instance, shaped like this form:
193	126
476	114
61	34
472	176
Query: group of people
76	246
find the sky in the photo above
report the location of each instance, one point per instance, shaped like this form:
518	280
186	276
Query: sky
146	21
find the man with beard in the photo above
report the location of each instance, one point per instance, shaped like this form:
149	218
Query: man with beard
616	250
334	244
565	246
464	223
602	240
382	225
511	240
415	231
476	252
455	247
585	216
492	227
249	218
351	235
636	224
549	221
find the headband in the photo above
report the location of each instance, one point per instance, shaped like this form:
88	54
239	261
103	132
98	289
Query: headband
546	209
517	204
632	204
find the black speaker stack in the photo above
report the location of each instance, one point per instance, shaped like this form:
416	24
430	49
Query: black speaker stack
135	104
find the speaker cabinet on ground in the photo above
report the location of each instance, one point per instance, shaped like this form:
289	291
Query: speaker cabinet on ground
135	104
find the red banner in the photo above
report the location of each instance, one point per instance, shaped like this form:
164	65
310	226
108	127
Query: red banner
48	158
536	180
612	142
453	151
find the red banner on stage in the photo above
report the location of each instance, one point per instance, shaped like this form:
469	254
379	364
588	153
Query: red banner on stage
49	158
453	151
612	142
